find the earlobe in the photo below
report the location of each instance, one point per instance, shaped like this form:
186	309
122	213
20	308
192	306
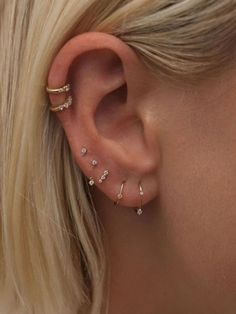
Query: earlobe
103	126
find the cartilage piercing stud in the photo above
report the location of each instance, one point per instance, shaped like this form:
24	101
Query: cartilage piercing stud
94	163
120	194
103	176
83	151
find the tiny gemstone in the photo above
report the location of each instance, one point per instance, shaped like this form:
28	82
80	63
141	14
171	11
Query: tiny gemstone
83	151
103	177
100	180
141	193
106	172
94	162
139	211
91	181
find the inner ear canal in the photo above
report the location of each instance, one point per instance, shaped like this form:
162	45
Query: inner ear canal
114	120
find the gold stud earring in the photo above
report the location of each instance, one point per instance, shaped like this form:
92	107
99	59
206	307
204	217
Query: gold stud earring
139	210
120	194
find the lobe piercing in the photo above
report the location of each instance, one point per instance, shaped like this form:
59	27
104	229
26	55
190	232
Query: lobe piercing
120	194
139	211
83	151
91	181
103	176
94	163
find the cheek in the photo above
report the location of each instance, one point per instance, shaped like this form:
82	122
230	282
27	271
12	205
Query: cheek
198	199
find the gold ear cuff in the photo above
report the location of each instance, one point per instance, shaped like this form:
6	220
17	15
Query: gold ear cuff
64	89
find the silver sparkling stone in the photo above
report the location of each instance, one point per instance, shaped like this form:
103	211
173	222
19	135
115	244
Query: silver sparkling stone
139	211
91	181
84	151
94	162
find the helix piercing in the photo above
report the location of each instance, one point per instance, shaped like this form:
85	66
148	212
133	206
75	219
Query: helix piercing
62	106
139	210
120	194
103	176
63	89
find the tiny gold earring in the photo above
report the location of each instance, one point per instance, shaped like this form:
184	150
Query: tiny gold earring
120	194
139	210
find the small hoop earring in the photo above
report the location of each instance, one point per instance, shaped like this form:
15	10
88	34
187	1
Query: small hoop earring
63	106
60	90
139	210
120	194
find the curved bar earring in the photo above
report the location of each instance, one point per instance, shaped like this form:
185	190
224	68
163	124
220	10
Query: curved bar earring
139	210
120	194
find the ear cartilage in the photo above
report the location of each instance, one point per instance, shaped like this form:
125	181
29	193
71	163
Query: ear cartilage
83	151
91	181
94	163
103	176
139	210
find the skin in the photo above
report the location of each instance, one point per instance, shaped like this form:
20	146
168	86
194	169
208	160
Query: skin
179	140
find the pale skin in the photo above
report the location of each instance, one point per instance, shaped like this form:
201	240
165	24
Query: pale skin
179	256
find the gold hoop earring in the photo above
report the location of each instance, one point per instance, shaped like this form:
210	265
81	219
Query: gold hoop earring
63	89
120	194
139	210
63	106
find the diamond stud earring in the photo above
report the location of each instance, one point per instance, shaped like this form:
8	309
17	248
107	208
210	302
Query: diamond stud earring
103	176
120	194
91	181
94	163
83	151
139	210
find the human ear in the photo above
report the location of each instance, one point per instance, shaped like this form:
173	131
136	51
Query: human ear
107	115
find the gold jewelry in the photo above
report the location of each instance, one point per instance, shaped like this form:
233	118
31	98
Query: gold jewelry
139	210
59	90
120	194
103	176
63	106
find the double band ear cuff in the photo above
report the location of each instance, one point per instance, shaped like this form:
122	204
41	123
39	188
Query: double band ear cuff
120	194
64	89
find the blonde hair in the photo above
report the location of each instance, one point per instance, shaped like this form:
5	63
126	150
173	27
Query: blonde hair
51	249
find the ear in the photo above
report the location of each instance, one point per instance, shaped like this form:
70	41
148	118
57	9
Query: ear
107	115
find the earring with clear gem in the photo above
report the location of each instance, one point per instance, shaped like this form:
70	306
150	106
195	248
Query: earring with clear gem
120	194
94	163
139	210
83	151
91	181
